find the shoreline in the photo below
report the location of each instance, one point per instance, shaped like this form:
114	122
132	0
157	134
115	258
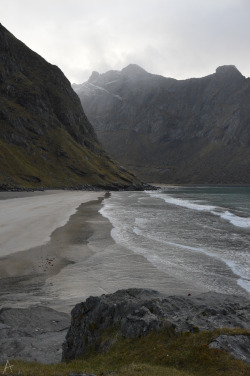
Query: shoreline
108	267
87	262
141	186
79	260
172	185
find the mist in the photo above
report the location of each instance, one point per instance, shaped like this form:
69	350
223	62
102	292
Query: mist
179	39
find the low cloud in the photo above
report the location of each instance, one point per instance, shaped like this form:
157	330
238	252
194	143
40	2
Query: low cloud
175	38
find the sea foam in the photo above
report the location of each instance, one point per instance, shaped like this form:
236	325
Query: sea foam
132	228
243	222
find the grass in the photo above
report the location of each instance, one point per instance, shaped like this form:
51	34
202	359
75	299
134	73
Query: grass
57	160
160	354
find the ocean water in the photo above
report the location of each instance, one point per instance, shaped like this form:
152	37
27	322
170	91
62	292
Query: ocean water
200	235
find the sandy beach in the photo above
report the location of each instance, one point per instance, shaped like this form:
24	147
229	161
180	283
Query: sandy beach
35	232
65	253
56	250
27	222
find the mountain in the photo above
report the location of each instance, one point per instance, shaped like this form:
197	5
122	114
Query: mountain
46	139
187	131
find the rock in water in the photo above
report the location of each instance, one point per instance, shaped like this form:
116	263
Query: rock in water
170	131
137	312
46	139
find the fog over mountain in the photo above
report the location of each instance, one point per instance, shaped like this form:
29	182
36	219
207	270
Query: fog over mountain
180	39
187	131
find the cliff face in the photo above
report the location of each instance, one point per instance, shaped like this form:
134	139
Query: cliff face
189	131
46	139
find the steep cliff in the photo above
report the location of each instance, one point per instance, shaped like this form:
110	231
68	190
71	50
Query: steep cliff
46	139
188	131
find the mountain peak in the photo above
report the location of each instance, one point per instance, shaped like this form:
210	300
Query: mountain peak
228	70
133	71
94	76
152	124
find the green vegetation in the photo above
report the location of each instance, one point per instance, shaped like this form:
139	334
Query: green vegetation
57	161
157	354
46	140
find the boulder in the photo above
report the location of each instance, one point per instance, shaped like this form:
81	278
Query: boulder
137	312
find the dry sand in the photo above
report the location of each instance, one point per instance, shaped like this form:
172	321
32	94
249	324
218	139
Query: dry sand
28	222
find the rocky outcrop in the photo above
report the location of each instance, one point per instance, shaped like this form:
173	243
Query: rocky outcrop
37	333
165	130
136	312
32	334
46	139
238	346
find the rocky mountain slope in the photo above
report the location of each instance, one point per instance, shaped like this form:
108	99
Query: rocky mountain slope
46	139
165	130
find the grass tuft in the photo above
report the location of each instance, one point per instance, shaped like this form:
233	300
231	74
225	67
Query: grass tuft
159	353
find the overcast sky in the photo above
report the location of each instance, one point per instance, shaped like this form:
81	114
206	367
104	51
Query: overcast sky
174	38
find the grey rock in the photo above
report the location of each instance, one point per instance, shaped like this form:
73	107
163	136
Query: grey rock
141	322
136	312
33	334
237	345
165	130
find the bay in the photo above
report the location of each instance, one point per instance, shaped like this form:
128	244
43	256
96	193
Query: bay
200	235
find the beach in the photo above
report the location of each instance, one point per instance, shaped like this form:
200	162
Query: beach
36	234
60	247
58	251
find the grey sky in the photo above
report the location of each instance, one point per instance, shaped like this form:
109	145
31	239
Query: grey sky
174	38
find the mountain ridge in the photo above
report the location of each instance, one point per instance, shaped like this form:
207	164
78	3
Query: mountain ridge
193	131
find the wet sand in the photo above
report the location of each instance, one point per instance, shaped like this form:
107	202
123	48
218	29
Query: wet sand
24	272
107	267
79	259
